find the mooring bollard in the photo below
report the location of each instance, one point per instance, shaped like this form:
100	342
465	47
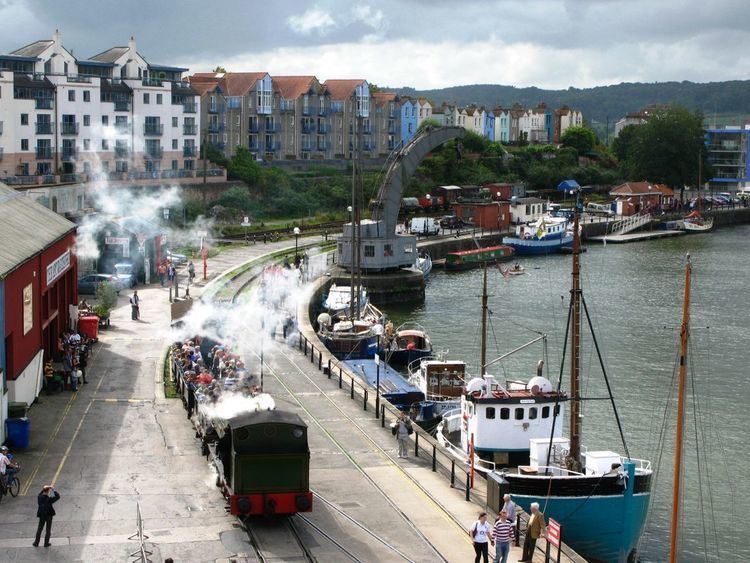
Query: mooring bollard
351	392
320	360
329	368
467	491
341	383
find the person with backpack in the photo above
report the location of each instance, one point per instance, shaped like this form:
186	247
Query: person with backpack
402	429
480	535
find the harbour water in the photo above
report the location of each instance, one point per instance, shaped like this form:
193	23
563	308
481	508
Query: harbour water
634	295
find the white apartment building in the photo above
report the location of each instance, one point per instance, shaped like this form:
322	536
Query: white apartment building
424	110
113	116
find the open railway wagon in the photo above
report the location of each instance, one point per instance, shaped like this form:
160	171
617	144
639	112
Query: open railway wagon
263	463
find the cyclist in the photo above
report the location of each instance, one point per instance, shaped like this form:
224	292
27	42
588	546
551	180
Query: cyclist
7	467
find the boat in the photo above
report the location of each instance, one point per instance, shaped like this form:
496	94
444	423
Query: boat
546	235
495	420
393	386
337	302
424	263
600	498
352	337
466	259
697	223
409	342
515	270
440	380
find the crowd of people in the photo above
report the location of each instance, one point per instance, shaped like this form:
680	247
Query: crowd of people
68	363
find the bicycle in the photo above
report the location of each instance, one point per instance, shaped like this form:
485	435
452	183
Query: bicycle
13	487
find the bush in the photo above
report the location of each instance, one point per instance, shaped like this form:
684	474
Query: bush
106	295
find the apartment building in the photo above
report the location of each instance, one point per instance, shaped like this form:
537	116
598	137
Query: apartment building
729	155
113	115
563	118
387	110
305	120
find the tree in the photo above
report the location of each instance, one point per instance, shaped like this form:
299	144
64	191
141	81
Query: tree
431	122
243	167
220	69
236	197
581	139
668	147
624	142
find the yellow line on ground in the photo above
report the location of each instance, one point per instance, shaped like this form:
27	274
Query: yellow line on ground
70	444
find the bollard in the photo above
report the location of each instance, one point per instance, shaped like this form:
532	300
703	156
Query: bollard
467	490
453	472
382	416
364	402
351	392
416	444
312	353
434	458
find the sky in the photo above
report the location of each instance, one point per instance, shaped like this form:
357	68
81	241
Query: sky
420	43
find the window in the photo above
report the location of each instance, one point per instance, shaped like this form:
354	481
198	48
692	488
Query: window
105	165
175	165
369	251
175	122
87	144
504	414
105	145
24	144
121	166
174	144
158	99
519	414
86	168
489	413
189	165
533	411
71	95
87	95
146	97
105	120
387	250
545	412
86	120
24	119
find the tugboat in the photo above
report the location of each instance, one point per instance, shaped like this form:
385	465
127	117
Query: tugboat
600	498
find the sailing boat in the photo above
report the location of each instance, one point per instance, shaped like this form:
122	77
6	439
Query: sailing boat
600	498
356	336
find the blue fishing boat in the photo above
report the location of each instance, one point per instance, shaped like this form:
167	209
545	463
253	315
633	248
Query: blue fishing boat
600	498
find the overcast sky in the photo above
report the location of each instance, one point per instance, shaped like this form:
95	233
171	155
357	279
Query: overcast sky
420	43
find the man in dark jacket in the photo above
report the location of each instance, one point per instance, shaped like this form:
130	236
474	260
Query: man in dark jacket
45	512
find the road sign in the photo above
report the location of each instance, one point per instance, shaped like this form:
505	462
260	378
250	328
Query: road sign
141	238
377	359
553	533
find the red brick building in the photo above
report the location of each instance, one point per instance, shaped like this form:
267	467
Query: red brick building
38	284
638	197
484	215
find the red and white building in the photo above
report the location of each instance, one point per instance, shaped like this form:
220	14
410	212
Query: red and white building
38	286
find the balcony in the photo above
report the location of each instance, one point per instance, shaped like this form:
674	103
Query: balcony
324	146
306	148
306	110
308	128
215	108
215	127
79	79
189	107
68	128
1	152
122	152
323	128
368	146
190	152
44	153
122	106
68	154
153	153
322	112
286	105
43	128
123	128
153	129
71	178
151	82
273	128
44	103
253	128
190	129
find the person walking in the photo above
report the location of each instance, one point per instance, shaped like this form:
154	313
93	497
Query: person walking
135	303
45	511
191	271
403	429
534	530
162	271
70	373
480	535
502	534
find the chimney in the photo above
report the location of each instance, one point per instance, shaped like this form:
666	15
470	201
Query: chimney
56	40
131	46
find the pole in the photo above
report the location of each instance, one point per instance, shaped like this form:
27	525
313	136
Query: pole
262	338
676	492
205	160
483	358
575	353
377	388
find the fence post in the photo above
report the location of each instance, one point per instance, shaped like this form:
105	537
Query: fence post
453	472
312	353
341	384
416	444
329	368
382	416
351	391
320	360
434	458
467	490
364	402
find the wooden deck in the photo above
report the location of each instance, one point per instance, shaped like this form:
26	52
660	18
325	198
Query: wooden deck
635	237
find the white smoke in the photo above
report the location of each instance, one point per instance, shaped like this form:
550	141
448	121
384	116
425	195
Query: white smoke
229	405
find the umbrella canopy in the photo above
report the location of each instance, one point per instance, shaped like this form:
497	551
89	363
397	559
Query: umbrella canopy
568	186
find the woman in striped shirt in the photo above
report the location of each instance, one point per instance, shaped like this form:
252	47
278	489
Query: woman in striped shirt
502	534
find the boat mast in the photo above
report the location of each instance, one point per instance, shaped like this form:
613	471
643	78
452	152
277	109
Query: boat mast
483	357
352	218
575	353
676	492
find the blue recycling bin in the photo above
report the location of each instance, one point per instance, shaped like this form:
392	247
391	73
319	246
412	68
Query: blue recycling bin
18	432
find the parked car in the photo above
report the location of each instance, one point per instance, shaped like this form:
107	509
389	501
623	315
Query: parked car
87	285
599	209
451	222
125	274
424	226
176	258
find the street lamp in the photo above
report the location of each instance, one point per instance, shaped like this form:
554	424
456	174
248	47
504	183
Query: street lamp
349	209
165	213
428	197
296	238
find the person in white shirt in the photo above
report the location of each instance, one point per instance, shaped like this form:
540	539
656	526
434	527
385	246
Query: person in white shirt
480	535
5	464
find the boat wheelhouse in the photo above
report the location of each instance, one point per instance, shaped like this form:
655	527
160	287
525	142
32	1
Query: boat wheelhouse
442	381
466	259
408	343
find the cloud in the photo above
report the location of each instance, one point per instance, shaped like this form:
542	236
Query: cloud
313	19
374	19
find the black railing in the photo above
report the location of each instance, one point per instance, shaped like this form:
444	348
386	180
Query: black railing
153	129
189	129
68	128
44	128
44	153
189	151
44	103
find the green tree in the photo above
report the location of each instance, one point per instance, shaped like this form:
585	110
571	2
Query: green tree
668	147
431	122
624	142
220	69
213	154
243	167
581	139
236	197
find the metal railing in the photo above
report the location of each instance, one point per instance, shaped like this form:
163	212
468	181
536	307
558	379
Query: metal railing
189	107
122	106
629	224
68	128
141	554
43	128
44	103
44	153
189	151
68	153
1	152
154	153
190	129
153	129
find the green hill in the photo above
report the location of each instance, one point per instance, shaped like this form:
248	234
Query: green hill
729	101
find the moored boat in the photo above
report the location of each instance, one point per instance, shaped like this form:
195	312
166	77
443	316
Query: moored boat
409	342
467	259
546	235
424	263
697	223
337	302
441	380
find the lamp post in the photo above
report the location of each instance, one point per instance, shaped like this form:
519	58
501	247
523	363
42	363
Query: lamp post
349	210
296	239
165	213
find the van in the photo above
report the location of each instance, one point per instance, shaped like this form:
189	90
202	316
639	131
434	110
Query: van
599	209
424	226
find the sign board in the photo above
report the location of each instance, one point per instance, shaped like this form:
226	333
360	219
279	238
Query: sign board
141	238
553	533
377	359
246	221
57	267
164	238
116	241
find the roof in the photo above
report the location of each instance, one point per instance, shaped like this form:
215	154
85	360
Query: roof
450	188
641	188
239	83
265	417
525	200
110	55
292	87
201	88
342	89
205	76
95	63
26	229
18	58
167	68
33	49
